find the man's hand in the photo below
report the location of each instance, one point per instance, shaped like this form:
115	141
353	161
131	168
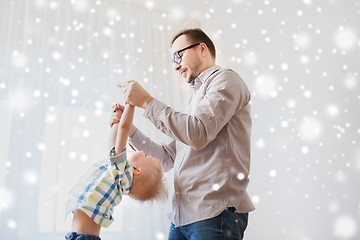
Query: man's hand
135	94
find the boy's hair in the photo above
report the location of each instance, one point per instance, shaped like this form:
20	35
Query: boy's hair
196	35
150	185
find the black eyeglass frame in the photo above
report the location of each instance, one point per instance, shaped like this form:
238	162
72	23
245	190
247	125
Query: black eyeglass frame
178	53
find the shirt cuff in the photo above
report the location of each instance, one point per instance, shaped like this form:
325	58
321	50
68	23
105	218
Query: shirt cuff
135	139
136	142
118	158
133	130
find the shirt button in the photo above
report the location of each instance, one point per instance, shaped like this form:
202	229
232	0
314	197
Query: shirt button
177	193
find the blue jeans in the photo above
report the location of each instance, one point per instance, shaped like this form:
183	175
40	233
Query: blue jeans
80	236
229	225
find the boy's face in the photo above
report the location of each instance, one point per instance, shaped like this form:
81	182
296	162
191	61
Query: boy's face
139	161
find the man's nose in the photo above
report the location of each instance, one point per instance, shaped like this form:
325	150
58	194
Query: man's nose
176	66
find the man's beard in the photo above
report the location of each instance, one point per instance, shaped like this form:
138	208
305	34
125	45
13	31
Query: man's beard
191	79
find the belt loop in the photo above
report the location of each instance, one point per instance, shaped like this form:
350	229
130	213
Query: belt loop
232	209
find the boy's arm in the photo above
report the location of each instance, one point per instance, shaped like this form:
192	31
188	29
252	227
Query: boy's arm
114	123
124	128
113	134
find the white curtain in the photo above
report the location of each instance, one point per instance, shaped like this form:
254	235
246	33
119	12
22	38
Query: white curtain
60	63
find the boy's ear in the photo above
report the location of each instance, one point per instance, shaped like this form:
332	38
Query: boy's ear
136	171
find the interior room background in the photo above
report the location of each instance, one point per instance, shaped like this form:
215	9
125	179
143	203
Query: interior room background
60	61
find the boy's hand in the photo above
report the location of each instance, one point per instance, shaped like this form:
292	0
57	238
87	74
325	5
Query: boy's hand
116	114
117	107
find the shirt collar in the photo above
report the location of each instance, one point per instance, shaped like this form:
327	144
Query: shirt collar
128	178
204	76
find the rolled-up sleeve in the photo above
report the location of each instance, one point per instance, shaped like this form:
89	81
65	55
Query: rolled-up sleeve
117	158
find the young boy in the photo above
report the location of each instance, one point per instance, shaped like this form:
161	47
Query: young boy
93	198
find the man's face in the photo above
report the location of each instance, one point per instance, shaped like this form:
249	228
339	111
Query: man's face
190	63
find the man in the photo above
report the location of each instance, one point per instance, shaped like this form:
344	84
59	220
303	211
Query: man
210	151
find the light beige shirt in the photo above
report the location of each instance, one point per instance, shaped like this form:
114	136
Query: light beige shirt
210	152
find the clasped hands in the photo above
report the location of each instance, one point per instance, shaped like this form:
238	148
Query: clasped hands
134	94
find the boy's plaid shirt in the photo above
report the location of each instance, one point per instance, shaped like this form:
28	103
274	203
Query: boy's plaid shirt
101	188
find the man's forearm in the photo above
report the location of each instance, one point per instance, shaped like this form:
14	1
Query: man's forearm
132	130
165	153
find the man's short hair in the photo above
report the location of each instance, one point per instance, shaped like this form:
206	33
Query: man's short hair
196	35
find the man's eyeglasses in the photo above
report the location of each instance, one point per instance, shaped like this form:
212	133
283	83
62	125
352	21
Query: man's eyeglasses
177	57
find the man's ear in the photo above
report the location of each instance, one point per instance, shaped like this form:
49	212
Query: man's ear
136	171
204	49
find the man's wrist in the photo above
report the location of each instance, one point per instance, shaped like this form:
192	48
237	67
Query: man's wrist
147	101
